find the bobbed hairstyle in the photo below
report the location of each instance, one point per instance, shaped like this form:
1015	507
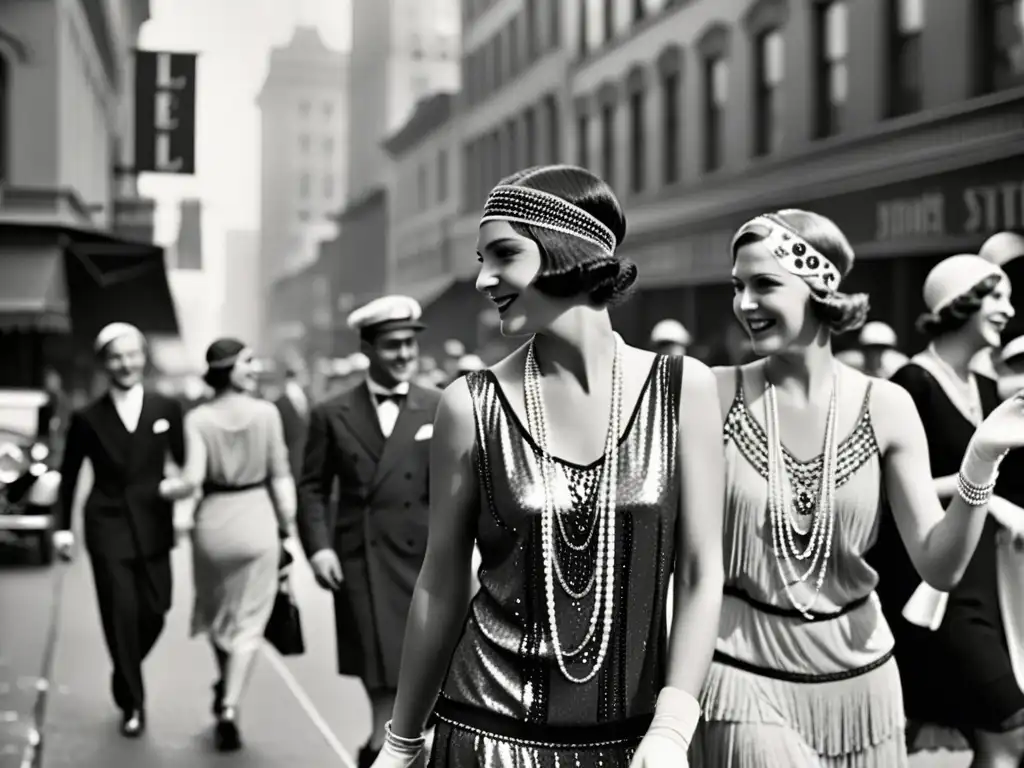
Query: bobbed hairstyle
221	357
955	315
839	312
570	265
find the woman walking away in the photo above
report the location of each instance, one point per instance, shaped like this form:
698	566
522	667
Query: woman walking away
803	673
588	472
960	675
238	458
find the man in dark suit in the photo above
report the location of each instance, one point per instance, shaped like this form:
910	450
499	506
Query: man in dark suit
127	435
373	439
293	405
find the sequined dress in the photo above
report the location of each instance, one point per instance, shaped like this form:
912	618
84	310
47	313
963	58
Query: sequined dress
504	700
783	691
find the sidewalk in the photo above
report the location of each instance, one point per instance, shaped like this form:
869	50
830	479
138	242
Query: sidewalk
81	726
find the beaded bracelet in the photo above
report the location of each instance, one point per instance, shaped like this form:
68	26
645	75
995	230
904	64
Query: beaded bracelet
401	744
974	495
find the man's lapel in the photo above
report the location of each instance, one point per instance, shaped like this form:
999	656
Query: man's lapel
409	420
360	415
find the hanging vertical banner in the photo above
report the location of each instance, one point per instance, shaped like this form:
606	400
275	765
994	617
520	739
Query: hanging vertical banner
165	112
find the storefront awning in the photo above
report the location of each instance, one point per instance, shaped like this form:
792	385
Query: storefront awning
112	280
55	278
32	290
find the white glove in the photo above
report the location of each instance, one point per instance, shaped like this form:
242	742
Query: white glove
64	543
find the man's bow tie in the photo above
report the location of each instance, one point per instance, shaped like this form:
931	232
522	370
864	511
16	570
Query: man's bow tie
392	397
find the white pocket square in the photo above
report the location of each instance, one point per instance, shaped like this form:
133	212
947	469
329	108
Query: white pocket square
160	426
425	432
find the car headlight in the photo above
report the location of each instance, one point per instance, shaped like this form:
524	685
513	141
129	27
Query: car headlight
39	452
12	463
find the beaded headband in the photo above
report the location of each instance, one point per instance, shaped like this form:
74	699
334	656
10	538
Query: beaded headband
796	255
537	208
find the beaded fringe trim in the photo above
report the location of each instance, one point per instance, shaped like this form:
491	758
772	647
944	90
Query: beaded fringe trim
834	718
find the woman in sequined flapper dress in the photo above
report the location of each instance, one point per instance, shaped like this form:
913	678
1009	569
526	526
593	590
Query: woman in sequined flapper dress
565	657
816	453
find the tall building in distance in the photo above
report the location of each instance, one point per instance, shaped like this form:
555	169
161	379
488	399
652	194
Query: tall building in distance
403	51
240	316
304	172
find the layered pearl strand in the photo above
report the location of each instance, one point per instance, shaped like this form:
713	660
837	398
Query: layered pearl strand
780	504
603	579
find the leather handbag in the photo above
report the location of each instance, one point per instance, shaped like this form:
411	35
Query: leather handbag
284	630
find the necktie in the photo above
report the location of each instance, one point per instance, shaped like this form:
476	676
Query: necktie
391	397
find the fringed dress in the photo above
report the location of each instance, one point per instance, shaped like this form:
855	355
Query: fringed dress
784	691
504	701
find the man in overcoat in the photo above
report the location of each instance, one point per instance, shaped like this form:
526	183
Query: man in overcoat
373	441
127	434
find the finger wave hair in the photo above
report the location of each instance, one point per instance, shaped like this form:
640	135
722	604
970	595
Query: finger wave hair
839	312
955	315
571	266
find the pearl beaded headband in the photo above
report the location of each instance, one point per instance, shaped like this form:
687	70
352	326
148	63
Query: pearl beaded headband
796	255
537	208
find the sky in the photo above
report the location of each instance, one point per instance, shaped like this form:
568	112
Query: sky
233	39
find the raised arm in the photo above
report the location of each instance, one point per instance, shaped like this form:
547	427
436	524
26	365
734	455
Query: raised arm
940	542
442	589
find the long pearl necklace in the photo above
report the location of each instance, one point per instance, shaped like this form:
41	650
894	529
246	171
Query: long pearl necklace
604	512
780	504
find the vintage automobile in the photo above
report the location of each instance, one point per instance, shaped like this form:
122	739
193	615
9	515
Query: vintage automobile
29	480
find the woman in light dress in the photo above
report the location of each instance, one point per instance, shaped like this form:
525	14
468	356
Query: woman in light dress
238	465
816	454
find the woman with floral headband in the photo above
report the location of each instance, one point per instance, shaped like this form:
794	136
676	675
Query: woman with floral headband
588	472
816	451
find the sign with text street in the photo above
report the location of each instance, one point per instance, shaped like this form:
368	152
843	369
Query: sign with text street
165	112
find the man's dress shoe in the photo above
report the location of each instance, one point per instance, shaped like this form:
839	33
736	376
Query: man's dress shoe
133	724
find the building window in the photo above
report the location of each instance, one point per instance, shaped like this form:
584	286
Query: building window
513	158
583	29
609	21
833	38
304	108
554	40
304	185
303	215
638	10
514	47
608	143
329	187
768	94
442	176
716	84
1003	44
500	68
469	172
583	141
554	129
530	137
906	24
421	188
637	155
304	143
670	105
532	32
329	146
328	110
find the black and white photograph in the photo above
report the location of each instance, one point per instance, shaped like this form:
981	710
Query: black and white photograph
512	383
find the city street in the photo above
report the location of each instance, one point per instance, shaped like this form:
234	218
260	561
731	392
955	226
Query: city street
298	712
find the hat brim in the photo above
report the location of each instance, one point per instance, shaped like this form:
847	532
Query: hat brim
391	325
